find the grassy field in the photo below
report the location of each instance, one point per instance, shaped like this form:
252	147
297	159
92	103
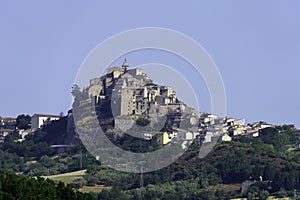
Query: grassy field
96	188
67	177
226	187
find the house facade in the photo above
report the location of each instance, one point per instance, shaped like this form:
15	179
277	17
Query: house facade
37	120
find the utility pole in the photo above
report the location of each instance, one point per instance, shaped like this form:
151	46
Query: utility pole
141	183
80	158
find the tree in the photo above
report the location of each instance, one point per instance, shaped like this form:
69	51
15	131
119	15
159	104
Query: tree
141	121
220	194
264	194
77	94
269	172
23	121
78	183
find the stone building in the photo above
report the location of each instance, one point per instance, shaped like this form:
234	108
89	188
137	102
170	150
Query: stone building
131	92
124	95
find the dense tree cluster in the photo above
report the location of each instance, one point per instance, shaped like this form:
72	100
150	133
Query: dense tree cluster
35	157
21	187
23	121
270	156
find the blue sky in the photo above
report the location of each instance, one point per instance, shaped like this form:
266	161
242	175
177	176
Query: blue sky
255	45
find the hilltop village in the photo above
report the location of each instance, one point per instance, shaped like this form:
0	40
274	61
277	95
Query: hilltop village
134	97
125	97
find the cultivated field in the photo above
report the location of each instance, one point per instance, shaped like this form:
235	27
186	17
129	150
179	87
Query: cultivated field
96	188
67	177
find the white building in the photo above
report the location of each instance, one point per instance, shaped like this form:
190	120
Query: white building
226	137
23	133
37	120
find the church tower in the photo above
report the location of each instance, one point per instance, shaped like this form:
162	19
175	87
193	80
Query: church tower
125	65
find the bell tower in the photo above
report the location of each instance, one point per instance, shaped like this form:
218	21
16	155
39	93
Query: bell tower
125	65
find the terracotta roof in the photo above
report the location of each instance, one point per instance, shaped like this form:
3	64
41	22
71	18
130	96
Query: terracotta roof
46	115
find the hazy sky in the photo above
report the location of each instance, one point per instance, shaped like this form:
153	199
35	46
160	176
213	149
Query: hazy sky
255	45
